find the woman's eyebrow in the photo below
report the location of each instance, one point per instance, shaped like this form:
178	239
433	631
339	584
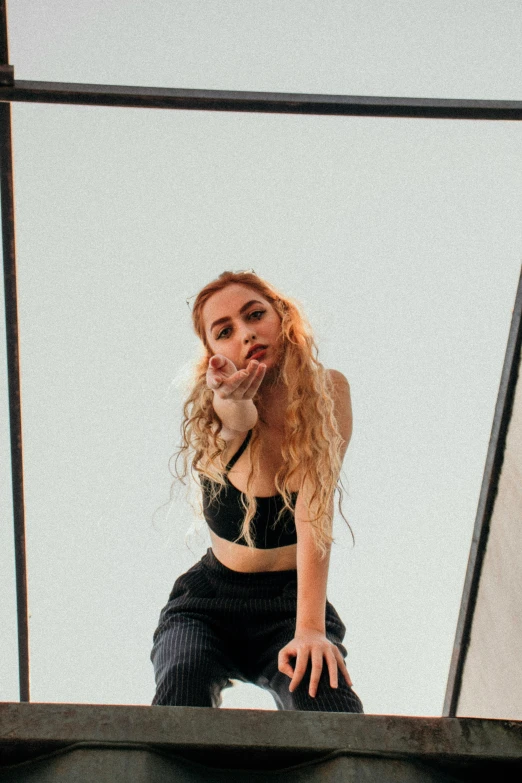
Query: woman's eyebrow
242	310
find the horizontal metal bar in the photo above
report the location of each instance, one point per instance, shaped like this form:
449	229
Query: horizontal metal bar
276	103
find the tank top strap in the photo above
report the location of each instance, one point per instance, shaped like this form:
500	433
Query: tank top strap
240	451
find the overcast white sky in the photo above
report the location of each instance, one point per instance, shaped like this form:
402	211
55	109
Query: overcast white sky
401	238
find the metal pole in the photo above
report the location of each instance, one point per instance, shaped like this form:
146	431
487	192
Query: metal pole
13	367
4	47
264	102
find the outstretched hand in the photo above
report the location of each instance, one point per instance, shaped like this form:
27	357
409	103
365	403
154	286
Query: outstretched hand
230	383
314	645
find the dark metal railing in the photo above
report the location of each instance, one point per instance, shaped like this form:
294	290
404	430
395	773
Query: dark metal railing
265	102
13	367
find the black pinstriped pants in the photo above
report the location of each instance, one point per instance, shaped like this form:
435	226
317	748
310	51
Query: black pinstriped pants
221	624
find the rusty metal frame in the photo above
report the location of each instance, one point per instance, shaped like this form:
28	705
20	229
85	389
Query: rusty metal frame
12	90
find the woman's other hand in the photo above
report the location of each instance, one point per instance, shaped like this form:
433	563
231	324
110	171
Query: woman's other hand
229	383
312	644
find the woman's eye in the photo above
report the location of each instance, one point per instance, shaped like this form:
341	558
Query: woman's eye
257	314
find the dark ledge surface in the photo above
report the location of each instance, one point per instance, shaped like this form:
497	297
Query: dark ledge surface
260	740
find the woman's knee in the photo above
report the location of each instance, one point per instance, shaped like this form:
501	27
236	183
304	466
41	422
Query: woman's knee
327	699
187	668
179	686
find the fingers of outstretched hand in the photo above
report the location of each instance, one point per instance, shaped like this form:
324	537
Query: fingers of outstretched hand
225	378
235	385
214	380
219	368
252	382
244	383
217	361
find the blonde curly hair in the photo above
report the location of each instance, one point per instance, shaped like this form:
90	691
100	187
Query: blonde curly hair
312	442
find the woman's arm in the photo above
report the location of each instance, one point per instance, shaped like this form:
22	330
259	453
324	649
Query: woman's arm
237	416
312	576
233	392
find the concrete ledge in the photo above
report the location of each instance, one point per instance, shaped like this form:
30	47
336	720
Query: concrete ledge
141	765
263	740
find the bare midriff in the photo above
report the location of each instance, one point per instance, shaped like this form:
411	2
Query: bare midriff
246	559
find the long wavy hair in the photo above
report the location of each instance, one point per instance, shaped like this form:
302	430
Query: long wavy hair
312	442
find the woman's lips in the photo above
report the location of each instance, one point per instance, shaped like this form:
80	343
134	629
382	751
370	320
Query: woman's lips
259	354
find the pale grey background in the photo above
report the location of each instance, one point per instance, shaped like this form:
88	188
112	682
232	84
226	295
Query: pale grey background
401	238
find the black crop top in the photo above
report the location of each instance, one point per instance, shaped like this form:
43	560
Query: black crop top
225	515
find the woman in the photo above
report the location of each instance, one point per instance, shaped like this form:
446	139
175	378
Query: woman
268	428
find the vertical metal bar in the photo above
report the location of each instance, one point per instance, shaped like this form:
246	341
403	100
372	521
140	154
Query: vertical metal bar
13	369
4	47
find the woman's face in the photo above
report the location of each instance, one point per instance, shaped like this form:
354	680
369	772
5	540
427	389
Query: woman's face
236	319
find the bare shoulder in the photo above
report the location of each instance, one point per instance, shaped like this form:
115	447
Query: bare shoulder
343	403
339	380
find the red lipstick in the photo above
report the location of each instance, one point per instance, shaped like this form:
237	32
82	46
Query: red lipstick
256	350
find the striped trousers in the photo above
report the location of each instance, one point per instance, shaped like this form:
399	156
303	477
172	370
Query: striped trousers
221	624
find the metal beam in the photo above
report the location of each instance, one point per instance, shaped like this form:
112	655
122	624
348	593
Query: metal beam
488	494
275	103
13	367
4	47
